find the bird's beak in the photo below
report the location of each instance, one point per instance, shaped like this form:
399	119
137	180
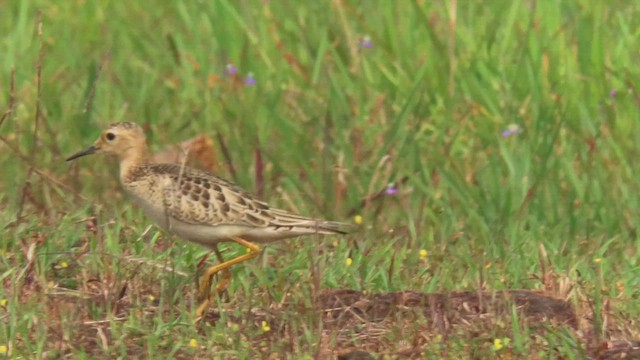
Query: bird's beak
92	149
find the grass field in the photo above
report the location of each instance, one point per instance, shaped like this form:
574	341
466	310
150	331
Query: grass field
508	129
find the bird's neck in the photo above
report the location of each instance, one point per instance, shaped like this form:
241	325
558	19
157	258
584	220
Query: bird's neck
131	159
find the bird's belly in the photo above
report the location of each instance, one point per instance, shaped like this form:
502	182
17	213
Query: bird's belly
205	234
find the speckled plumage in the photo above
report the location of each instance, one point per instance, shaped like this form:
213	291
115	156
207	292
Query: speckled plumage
186	195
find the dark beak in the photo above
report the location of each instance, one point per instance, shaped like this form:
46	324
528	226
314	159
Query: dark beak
92	149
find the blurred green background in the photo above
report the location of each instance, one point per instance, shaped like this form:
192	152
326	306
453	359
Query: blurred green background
492	136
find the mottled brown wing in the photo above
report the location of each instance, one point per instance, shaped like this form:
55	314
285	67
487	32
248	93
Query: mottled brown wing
196	197
201	198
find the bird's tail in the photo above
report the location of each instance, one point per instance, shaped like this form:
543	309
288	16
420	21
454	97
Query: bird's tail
334	227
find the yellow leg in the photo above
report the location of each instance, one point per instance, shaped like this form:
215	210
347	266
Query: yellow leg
226	275
205	284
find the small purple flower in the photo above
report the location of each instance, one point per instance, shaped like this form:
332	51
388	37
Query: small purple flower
512	129
366	42
613	93
231	69
250	80
392	189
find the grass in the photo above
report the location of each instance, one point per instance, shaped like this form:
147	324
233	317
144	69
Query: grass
333	122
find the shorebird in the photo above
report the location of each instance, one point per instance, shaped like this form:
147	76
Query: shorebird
200	207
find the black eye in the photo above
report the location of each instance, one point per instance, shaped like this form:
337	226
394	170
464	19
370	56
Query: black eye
110	136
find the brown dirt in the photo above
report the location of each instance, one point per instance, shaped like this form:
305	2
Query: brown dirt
343	323
361	326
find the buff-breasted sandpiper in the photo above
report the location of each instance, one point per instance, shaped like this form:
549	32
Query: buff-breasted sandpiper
198	206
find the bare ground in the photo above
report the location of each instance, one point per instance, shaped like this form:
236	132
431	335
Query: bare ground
403	324
345	324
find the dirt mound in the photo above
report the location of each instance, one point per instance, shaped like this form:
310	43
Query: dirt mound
356	325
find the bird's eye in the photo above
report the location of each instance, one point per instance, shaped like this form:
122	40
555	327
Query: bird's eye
110	136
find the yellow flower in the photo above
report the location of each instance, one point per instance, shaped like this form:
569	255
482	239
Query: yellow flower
3	303
151	298
265	326
497	344
423	254
64	265
597	260
357	219
500	343
193	343
4	349
348	261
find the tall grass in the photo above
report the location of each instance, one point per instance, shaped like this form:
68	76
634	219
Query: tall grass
348	98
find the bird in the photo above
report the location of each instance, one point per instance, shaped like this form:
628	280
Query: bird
200	207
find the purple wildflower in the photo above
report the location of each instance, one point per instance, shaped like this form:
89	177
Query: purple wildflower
231	69
392	189
512	129
366	42
250	80
613	93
